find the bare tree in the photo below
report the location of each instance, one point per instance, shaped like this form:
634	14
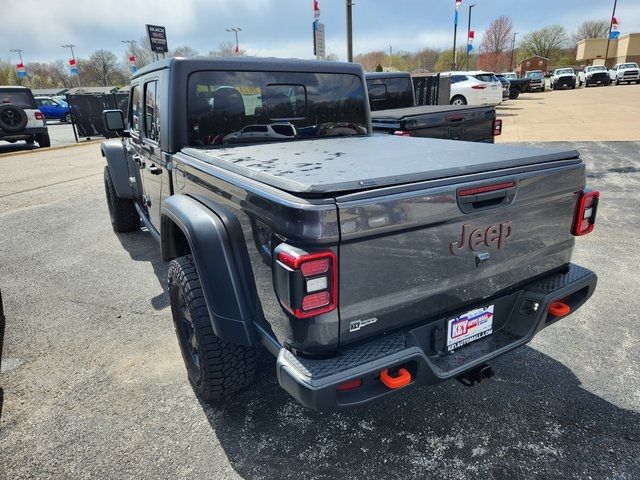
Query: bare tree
496	44
591	29
371	60
102	67
546	42
333	57
60	73
184	51
227	49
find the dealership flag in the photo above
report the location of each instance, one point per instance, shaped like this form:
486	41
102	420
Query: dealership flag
73	68
132	64
316	9
470	40
455	19
21	71
614	29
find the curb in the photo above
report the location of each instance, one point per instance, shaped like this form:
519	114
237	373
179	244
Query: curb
54	147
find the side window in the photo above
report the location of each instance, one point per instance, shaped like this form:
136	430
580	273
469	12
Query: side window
151	113
134	109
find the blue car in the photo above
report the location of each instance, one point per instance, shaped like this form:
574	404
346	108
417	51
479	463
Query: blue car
54	108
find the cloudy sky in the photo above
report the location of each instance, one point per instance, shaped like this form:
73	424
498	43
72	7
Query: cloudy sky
276	27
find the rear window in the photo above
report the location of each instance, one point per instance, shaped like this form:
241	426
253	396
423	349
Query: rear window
388	93
486	77
240	107
21	98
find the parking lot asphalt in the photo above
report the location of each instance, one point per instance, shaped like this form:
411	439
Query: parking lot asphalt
95	385
582	114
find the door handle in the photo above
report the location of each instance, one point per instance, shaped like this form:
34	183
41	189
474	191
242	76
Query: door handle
153	170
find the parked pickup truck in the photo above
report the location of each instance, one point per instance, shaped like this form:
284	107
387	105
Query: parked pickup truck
367	264
625	72
519	85
393	111
594	75
563	77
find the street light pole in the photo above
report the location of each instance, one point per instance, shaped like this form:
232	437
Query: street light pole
513	47
349	32
70	46
615	2
19	52
390	55
235	30
469	32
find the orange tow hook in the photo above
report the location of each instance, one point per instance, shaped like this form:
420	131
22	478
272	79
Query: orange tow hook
559	309
402	380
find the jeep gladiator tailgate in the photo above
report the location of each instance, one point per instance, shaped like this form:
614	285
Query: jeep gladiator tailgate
449	227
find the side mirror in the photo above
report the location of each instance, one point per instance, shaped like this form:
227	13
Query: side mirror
114	121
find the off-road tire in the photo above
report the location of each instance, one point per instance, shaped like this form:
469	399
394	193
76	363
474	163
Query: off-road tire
216	368
123	213
13	119
43	139
514	93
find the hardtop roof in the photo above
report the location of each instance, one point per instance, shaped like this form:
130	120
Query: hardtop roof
251	64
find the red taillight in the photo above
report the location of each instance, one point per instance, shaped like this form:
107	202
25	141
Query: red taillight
402	133
486	188
497	127
585	218
350	385
306	283
479	86
38	115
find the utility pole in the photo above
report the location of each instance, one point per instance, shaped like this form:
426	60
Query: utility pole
235	30
469	33
615	2
19	52
513	47
349	32
132	44
70	46
390	55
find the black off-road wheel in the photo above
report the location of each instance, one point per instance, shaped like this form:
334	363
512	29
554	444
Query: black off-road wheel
123	214
43	139
216	368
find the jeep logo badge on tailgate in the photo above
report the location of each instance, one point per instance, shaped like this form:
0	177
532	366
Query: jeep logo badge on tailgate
494	236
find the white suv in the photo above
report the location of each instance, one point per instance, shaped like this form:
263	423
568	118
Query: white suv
474	88
625	72
20	118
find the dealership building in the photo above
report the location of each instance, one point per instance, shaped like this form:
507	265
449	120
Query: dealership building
626	48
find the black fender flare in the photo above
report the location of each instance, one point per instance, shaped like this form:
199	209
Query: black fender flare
225	275
113	151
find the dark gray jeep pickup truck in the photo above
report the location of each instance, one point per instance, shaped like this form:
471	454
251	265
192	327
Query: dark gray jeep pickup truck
365	264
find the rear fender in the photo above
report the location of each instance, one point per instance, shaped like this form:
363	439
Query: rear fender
113	151
225	276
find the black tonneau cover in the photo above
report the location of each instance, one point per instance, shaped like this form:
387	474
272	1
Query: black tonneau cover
426	116
400	113
332	165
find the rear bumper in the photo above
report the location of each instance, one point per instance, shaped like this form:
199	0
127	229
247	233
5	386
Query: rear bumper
25	134
422	350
